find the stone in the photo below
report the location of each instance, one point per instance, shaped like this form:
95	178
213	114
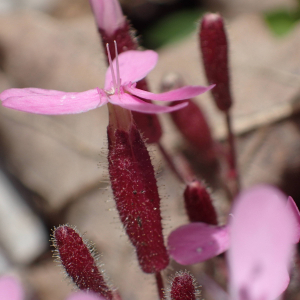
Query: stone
42	52
22	234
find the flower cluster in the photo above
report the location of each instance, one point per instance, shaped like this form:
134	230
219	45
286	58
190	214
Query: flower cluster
263	225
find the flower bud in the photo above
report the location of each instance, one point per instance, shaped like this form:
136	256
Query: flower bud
192	124
214	49
79	262
191	121
183	287
198	204
135	190
148	124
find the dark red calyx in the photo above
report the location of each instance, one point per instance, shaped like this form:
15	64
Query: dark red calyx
192	123
183	287
214	48
124	36
148	124
198	204
79	262
137	200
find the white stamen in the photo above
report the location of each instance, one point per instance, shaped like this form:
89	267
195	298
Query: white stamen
111	67
118	70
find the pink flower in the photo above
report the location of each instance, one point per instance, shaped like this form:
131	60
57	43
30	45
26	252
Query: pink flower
293	207
11	289
261	234
197	242
85	296
120	81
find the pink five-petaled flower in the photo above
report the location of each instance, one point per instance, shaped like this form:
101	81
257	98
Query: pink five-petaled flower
260	236
121	77
11	289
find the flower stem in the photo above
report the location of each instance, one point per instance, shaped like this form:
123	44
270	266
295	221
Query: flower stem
160	285
232	160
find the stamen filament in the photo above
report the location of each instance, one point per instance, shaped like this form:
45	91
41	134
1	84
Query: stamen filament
117	67
111	67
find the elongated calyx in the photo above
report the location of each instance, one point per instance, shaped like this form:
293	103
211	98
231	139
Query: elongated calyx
193	125
198	204
183	287
214	48
135	190
78	260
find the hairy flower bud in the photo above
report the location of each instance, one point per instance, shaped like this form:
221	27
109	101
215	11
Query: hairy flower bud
135	190
214	49
79	262
192	123
183	287
198	204
124	35
190	120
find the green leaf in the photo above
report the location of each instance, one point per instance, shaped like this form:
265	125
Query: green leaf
171	28
281	22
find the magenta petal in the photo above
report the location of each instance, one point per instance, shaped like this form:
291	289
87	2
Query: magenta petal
85	296
51	102
134	66
262	233
186	92
197	242
10	289
293	207
132	103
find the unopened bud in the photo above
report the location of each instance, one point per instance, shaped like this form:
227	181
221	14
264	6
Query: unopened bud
191	121
135	190
183	287
148	124
79	262
214	49
198	204
193	125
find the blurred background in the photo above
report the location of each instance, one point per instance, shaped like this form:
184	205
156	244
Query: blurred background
53	169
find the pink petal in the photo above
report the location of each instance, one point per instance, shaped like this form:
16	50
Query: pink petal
108	14
262	232
293	207
132	103
197	242
51	102
186	92
134	66
10	289
85	296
